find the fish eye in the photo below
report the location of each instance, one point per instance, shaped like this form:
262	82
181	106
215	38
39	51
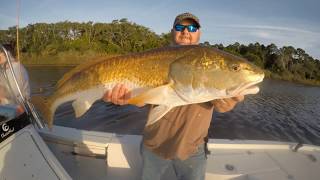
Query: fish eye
235	67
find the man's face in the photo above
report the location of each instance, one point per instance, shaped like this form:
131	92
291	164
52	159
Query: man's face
185	37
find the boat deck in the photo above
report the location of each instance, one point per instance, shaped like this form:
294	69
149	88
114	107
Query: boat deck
118	157
83	155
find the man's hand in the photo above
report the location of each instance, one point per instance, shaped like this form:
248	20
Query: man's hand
225	105
118	95
19	110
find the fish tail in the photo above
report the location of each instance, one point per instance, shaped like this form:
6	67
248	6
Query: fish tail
43	104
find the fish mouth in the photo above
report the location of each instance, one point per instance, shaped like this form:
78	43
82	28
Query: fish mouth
245	88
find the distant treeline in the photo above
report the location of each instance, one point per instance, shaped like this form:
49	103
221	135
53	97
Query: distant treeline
119	36
73	42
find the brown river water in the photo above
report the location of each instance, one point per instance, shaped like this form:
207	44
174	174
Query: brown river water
281	111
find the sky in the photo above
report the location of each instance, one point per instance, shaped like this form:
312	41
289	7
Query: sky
282	22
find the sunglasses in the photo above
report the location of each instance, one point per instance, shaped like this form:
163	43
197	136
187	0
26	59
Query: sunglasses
191	27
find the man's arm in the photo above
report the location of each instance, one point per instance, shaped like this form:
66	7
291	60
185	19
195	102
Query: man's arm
120	95
225	105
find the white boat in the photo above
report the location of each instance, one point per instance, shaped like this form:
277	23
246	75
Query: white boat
29	150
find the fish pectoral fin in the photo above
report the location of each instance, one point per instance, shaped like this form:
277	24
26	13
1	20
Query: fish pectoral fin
156	113
158	95
81	106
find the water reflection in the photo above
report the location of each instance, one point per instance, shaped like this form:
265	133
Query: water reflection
281	111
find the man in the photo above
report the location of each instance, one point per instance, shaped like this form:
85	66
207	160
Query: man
21	77
177	139
20	71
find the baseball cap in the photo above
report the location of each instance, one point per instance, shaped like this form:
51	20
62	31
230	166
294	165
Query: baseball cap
184	16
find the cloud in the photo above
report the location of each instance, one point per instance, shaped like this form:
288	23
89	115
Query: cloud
262	34
270	28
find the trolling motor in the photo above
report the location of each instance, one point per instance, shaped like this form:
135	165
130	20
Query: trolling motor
10	100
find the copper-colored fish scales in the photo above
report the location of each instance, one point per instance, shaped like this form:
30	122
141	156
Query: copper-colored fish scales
148	69
168	77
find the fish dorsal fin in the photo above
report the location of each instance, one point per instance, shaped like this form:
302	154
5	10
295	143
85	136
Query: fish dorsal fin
79	68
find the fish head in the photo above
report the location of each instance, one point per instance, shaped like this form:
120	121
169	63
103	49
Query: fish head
208	74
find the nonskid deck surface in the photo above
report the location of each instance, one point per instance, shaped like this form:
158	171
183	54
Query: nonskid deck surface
96	155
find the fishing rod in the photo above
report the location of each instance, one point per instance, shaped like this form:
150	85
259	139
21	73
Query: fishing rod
17	29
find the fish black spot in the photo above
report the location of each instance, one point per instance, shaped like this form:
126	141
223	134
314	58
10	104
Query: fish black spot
235	67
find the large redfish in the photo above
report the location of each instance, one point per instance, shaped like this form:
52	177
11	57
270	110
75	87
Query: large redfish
166	77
